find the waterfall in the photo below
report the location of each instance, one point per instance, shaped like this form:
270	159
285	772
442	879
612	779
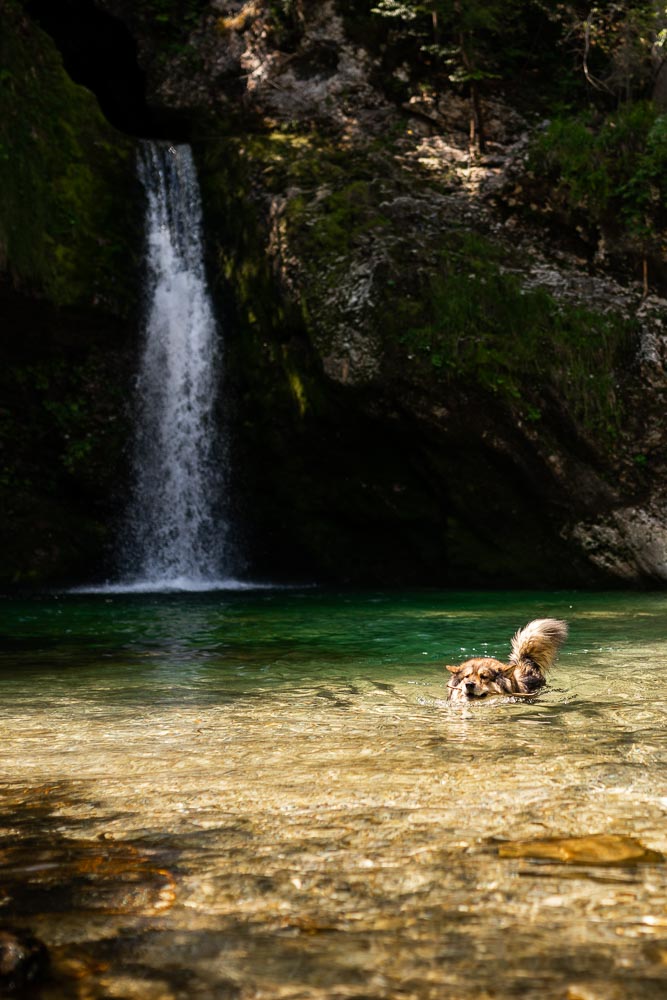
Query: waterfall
176	534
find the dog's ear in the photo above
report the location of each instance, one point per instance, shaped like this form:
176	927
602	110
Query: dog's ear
507	669
452	670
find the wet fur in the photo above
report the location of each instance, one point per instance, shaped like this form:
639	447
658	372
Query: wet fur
534	650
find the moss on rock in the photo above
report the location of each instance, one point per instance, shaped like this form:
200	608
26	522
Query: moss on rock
473	322
68	194
70	238
372	321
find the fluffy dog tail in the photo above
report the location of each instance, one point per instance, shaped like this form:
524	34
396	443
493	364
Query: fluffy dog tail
538	643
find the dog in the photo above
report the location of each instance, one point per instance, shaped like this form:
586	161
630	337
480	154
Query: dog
534	651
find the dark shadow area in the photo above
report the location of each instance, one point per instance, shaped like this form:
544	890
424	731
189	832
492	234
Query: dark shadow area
100	53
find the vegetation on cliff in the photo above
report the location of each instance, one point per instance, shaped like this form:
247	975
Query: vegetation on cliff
408	295
378	179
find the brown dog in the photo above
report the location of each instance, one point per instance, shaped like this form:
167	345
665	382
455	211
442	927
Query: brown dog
534	650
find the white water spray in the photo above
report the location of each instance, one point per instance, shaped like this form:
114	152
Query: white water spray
177	532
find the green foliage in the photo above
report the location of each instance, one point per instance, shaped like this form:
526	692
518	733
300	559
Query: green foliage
464	42
614	168
73	408
285	22
602	53
616	45
644	195
173	17
465	39
474	323
403	10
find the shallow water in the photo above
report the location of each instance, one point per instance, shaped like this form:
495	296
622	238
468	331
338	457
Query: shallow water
266	795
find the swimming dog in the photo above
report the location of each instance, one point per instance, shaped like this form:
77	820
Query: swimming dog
534	650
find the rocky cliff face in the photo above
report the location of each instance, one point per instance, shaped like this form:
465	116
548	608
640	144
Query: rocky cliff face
432	385
70	244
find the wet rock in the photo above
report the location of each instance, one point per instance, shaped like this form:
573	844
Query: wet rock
24	959
630	543
102	877
602	849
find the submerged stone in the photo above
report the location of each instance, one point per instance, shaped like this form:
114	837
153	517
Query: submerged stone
597	849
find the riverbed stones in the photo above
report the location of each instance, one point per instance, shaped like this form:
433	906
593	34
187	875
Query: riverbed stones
24	959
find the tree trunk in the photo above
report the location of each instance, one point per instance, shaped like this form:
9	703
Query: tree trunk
659	94
477	135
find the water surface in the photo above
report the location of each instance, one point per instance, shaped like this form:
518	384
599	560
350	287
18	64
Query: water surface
266	795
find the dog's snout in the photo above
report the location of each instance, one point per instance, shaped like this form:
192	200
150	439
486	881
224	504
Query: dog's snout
470	687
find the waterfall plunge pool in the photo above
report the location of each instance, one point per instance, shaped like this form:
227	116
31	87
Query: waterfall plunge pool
265	794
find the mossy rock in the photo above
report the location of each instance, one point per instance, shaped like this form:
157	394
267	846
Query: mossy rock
70	212
519	374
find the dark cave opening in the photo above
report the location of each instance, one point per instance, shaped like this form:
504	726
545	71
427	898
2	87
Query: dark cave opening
100	53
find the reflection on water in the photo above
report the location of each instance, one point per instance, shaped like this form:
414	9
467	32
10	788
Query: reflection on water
266	795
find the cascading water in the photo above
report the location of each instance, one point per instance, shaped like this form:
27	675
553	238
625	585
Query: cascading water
176	533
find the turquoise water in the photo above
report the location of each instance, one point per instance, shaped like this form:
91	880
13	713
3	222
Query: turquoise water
266	794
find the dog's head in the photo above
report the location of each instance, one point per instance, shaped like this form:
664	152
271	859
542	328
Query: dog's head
479	678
